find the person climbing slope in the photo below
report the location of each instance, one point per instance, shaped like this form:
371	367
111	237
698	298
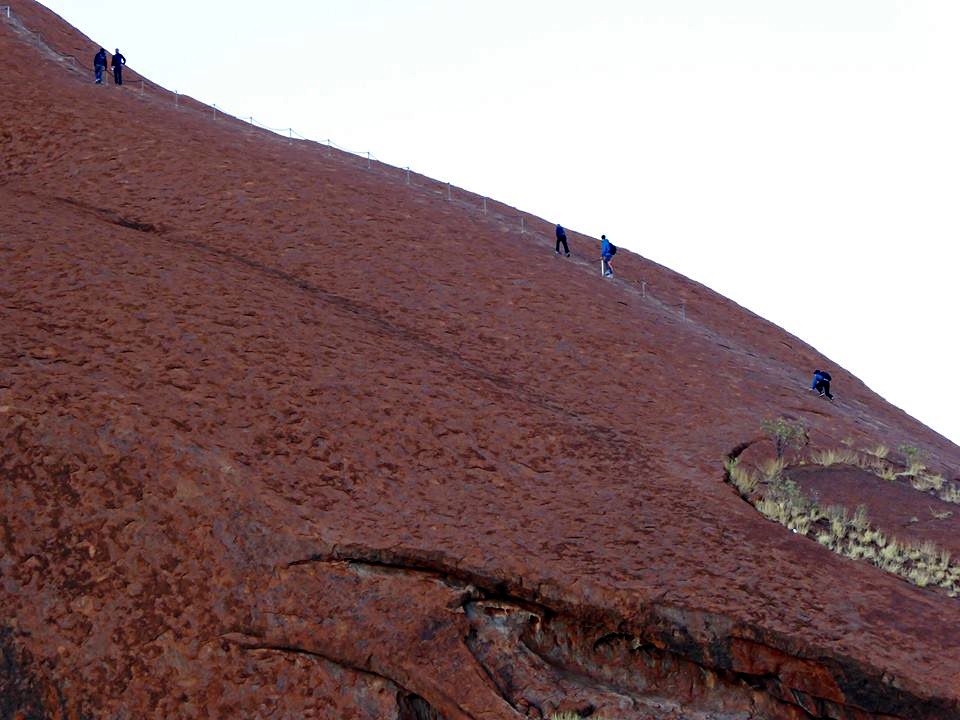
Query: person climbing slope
607	251
821	383
99	65
117	63
562	240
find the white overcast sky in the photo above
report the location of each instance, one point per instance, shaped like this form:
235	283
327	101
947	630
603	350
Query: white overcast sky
799	156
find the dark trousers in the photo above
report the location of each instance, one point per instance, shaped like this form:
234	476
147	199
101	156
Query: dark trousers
823	387
563	241
118	74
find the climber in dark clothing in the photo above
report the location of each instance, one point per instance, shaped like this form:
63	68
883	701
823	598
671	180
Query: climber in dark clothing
99	65
821	383
562	240
117	64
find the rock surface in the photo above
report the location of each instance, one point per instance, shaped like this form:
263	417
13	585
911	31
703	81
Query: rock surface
284	436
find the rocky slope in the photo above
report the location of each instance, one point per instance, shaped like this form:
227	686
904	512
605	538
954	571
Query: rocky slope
285	436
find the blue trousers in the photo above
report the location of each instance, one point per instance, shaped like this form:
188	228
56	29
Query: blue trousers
98	72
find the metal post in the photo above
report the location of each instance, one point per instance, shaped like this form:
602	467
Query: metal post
643	288
368	160
484	205
176	101
523	228
290	132
408	175
448	191
214	112
8	11
141	88
683	311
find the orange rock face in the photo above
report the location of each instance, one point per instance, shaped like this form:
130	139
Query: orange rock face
284	436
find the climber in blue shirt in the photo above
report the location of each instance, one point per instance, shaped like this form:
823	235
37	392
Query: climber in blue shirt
607	251
821	383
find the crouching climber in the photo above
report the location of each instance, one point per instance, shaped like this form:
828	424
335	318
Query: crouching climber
821	383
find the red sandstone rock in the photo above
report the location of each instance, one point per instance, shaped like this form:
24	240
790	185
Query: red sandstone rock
264	456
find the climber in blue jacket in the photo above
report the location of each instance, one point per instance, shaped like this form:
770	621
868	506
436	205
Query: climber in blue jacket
607	251
821	383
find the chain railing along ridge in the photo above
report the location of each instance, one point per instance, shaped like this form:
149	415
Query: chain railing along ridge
291	135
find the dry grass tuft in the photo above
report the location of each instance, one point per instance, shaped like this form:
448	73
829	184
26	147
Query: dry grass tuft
772	470
951	494
837	456
945	515
880	452
885	472
743	479
925	482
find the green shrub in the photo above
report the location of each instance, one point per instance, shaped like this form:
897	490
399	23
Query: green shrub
785	434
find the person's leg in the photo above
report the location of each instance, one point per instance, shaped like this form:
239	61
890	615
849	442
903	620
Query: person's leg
566	249
119	75
826	389
98	74
557	247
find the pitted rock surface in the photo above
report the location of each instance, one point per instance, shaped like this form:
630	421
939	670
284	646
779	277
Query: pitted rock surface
283	436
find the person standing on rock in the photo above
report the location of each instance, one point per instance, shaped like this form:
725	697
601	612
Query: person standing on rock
562	240
821	383
607	251
99	65
117	63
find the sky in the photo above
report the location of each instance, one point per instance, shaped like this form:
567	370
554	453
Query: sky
801	157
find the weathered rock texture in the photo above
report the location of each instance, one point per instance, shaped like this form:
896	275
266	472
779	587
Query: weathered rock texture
282	436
